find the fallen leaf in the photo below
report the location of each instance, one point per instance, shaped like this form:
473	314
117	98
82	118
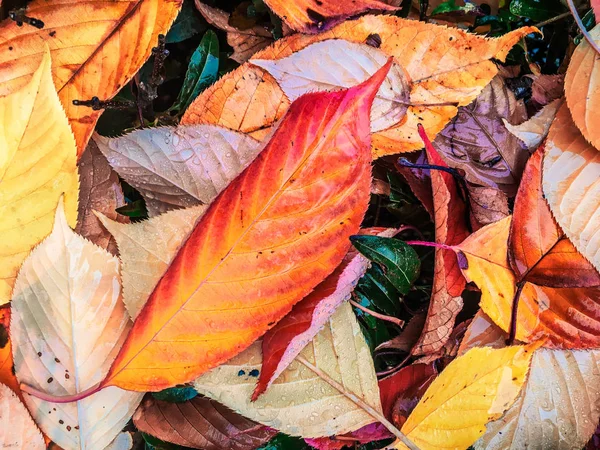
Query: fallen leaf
409	335
17	430
364	435
96	49
488	205
245	43
99	190
482	332
559	406
419	180
282	343
7	375
568	317
348	64
401	391
534	130
37	165
299	402
199	423
68	322
582	89
547	88
315	16
179	167
570	183
477	141
312	178
147	248
450	217
443	65
453	412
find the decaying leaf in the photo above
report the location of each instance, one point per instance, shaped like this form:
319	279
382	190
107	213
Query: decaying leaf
37	165
478	142
99	190
147	248
17	430
68	321
488	205
571	184
179	167
199	423
409	335
451	228
245	43
547	88
443	65
348	64
534	130
299	402
282	343
96	49
454	411
314	16
583	90
558	408
312	179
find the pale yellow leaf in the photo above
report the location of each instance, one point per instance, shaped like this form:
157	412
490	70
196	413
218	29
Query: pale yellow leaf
179	167
147	248
571	184
474	389
558	408
336	64
38	163
299	402
68	323
17	429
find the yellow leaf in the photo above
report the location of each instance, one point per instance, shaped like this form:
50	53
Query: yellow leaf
474	389
38	163
97	47
444	65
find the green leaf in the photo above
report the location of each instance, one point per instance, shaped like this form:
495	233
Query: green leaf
450	6
381	292
187	24
400	262
536	10
202	71
284	442
176	394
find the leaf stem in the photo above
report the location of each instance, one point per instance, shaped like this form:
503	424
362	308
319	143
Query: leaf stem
581	26
64	399
431	244
513	317
359	402
394	320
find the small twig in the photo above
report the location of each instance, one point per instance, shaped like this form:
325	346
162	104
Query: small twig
359	402
581	26
514	312
394	320
423	7
18	15
553	19
96	104
431	244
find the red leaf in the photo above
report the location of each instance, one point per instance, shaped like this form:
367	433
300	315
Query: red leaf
364	435
448	283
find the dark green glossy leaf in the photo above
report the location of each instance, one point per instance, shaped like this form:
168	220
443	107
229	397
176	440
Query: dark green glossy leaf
176	394
136	209
536	10
400	262
380	291
284	442
187	24
202	71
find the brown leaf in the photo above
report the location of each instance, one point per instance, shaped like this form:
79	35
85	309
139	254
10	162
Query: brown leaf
199	423
547	88
419	180
534	130
448	282
488	205
245	43
477	141
99	190
409	336
482	332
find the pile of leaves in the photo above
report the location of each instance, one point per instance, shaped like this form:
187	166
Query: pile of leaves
299	224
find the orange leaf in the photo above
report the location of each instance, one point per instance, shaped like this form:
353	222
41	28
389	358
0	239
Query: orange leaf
96	48
448	282
271	236
443	64
314	16
582	88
